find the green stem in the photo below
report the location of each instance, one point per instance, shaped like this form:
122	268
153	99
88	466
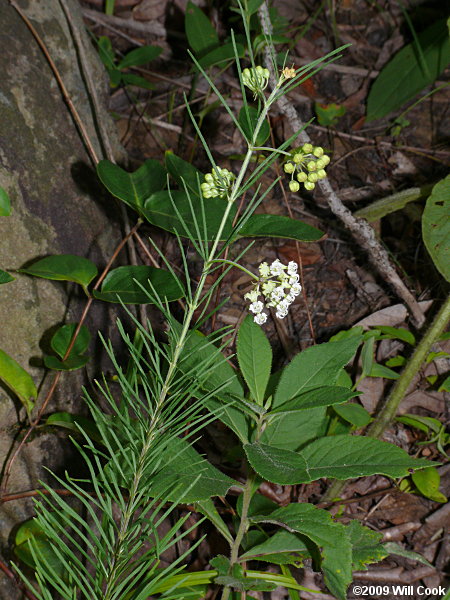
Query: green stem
231	262
389	410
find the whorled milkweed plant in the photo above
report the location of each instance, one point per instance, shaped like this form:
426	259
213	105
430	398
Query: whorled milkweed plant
105	541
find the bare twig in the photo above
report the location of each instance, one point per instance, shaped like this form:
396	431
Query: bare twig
149	27
360	229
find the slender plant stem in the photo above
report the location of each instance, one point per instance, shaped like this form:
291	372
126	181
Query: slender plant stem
400	388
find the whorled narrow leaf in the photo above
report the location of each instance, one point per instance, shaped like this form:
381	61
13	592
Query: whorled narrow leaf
17	380
63	267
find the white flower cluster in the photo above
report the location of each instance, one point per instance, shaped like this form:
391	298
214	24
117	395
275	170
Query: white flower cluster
278	285
308	167
217	183
256	79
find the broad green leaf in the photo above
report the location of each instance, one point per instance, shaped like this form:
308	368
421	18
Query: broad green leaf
326	395
132	188
139	285
367	356
397	550
279	227
138	81
255	358
340	456
29	534
330	537
74	423
234	576
366	546
184	173
396	333
62	338
139	56
5	203
221	54
329	114
427	482
72	363
18	381
294	429
436	226
380	208
248	118
63	267
253	6
207	508
382	371
204	362
353	413
314	366
5	277
201	35
160	210
281	542
407	74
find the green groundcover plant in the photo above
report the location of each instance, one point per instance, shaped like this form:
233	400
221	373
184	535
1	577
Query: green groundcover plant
105	540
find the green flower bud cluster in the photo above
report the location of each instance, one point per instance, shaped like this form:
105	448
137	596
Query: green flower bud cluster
307	167
256	79
217	183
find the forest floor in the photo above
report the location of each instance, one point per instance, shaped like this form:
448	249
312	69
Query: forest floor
370	160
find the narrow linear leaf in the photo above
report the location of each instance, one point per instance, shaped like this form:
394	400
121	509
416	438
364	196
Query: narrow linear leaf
280	227
436	226
137	285
132	188
255	358
63	267
17	380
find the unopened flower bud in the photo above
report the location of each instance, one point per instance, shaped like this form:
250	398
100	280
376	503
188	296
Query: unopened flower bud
313	177
302	176
309	185
294	186
318	151
325	158
298	158
311	165
321	174
289	167
307	148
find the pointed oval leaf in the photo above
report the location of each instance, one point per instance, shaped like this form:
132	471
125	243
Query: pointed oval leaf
183	172
74	423
138	285
290	430
255	358
5	277
17	380
5	203
366	545
62	338
436	226
279	227
410	71
132	188
325	395
221	54
63	267
248	119
160	211
200	33
339	456
313	366
72	363
140	56
331	538
353	413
